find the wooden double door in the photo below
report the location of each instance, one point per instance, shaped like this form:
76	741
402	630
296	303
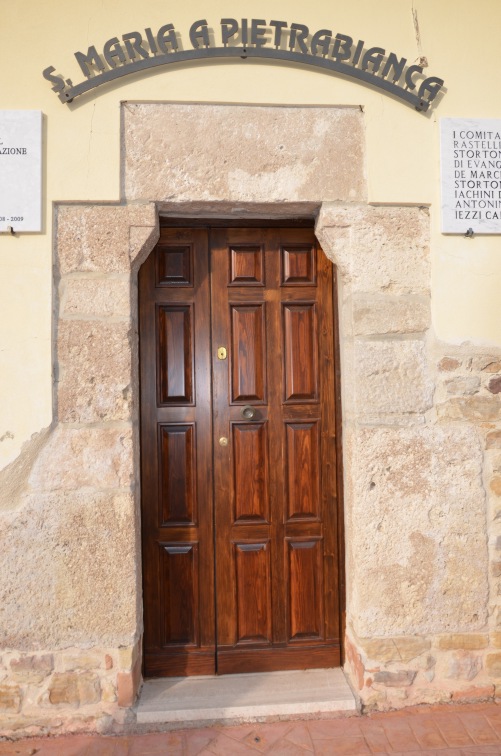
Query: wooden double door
240	515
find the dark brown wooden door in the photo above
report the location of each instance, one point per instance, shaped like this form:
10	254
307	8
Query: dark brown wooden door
240	518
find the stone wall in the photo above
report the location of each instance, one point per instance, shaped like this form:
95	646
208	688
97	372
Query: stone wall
421	427
70	587
422	440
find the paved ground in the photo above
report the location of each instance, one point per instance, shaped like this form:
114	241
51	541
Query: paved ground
469	730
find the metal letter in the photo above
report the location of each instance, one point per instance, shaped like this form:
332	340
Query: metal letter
91	59
133	42
408	75
341	49
257	32
278	26
433	85
397	65
229	27
198	31
58	81
374	55
298	34
112	49
321	38
167	36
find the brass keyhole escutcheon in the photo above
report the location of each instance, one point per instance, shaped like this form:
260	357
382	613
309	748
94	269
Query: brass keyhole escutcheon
221	353
248	412
223	441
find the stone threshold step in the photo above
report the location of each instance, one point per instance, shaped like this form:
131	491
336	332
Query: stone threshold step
244	698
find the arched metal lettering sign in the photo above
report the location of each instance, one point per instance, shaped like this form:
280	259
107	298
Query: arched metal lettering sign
247	39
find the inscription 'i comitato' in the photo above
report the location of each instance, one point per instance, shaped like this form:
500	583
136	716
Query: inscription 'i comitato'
471	175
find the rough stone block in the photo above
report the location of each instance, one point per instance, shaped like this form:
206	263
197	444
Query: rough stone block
493	665
463	385
489	363
385	314
464	666
95	238
394	649
463	641
420	561
98	297
448	364
392	378
76	458
495	486
183	162
493	440
378	249
83	660
74	689
494	385
10	698
474	693
401	679
476	409
495	640
32	669
85	551
95	371
128	684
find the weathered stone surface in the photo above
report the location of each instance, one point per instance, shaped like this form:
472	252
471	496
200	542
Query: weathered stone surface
184	161
394	649
10	698
128	684
96	238
378	249
401	679
494	385
493	440
495	486
434	696
448	364
14	477
32	669
475	409
98	297
85	552
355	661
109	692
474	693
385	314
464	666
419	563
76	458
94	371
493	665
463	384
487	363
74	689
392	377
495	639
83	660
463	641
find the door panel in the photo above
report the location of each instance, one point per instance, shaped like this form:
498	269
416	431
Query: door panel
240	534
176	456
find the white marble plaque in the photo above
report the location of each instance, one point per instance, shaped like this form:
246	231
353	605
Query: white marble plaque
471	175
21	170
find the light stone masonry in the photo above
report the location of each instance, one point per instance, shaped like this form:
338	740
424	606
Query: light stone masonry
421	430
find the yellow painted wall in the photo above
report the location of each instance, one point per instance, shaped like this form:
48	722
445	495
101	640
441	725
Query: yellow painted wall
460	39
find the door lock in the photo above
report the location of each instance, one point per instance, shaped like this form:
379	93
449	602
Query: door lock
248	412
223	441
221	353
